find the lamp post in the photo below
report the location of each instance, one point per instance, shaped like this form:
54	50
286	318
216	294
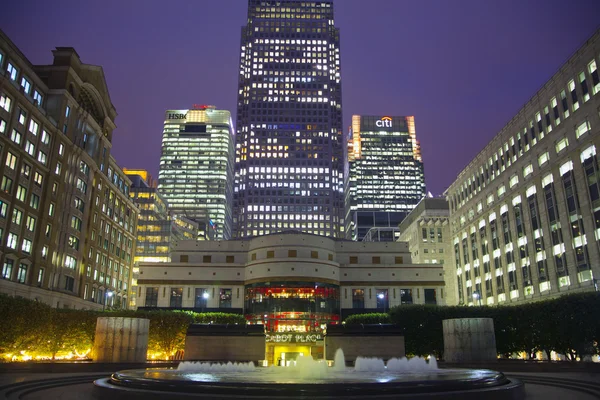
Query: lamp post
106	297
382	296
477	296
205	297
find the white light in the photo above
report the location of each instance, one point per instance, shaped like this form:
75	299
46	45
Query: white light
205	295
381	295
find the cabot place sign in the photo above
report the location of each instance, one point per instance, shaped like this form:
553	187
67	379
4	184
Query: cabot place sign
385	122
294	338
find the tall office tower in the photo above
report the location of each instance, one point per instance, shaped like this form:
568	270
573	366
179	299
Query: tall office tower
525	212
196	168
386	174
289	148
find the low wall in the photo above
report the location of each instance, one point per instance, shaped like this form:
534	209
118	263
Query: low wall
468	340
121	340
208	342
380	340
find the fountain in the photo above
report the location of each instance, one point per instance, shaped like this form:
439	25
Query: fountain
308	378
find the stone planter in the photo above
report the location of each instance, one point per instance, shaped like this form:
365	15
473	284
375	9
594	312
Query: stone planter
468	340
121	340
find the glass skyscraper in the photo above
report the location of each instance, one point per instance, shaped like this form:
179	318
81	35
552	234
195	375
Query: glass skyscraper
386	173
196	168
289	143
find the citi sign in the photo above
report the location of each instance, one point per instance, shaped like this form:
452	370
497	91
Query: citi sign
385	122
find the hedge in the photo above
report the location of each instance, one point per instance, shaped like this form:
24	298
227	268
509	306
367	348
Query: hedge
568	325
35	329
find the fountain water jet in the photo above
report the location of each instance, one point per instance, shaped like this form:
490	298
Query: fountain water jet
309	378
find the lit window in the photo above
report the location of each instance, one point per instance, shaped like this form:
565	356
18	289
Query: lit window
37	178
45	137
29	148
12	71
26	246
70	262
6	185
30	224
15	136
12	240
562	144
513	180
582	129
26	85
594	75
501	190
11	160
528	170
42	157
5	102
17	216
21	193
38	97
33	127
543	158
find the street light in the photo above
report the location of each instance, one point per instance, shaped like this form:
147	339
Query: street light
476	297
382	296
106	296
205	297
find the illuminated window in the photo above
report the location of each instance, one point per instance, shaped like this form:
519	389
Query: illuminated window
5	102
399	260
270	254
12	71
230	259
206	259
582	129
292	253
562	144
376	260
11	160
314	254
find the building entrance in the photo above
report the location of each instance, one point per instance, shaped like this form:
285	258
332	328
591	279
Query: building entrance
284	355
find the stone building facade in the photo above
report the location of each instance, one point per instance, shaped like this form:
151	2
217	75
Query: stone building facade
427	231
66	221
525	213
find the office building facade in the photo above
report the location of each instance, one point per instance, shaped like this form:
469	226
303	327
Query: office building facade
386	179
196	168
67	225
426	230
525	213
289	148
290	282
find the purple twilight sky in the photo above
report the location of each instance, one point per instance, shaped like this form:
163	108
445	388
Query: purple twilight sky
463	68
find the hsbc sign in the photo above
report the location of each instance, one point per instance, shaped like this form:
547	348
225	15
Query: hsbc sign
385	122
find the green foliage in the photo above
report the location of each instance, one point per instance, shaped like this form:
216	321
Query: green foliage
370	318
36	329
568	325
219	318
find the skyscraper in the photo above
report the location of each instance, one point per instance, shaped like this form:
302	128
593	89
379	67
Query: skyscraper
289	143
386	172
196	168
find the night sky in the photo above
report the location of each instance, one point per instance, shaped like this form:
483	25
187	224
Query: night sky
463	68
